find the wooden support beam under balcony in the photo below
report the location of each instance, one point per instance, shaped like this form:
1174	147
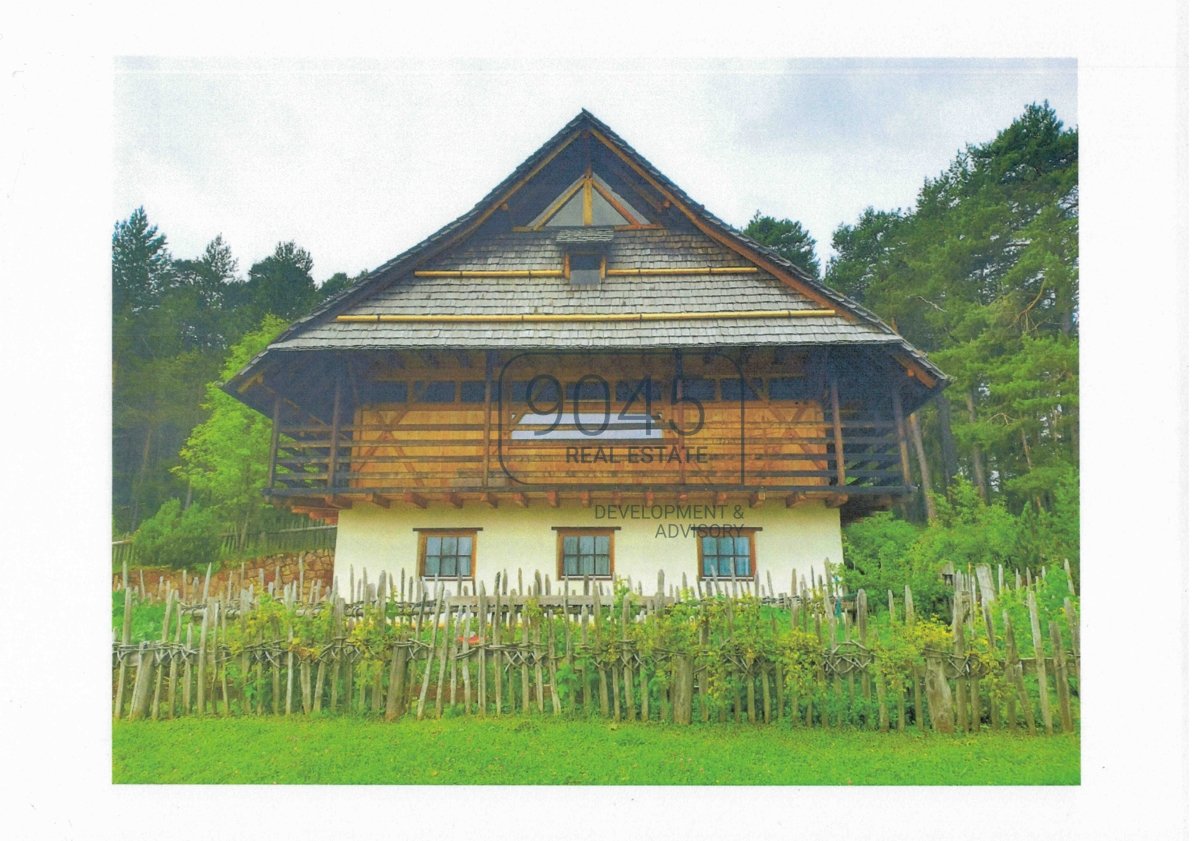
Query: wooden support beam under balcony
552	498
757	499
585	499
521	499
380	500
490	500
793	499
416	499
338	501
454	500
836	500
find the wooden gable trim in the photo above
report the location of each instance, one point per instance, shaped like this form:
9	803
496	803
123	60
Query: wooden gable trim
732	244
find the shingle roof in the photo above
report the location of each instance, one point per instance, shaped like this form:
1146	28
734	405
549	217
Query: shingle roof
392	288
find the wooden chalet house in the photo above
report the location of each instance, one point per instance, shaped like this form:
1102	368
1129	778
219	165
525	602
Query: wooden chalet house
588	375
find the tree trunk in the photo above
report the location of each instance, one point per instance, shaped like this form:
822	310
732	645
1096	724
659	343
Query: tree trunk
914	427
949	450
976	453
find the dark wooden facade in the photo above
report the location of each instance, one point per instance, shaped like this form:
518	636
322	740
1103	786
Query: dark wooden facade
694	364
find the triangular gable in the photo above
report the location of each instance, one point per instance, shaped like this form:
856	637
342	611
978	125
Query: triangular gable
588	201
537	184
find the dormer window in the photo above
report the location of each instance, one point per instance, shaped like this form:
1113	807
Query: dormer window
585	269
588	201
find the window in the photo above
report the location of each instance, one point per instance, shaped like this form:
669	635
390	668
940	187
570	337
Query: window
585	552
727	555
447	553
586	269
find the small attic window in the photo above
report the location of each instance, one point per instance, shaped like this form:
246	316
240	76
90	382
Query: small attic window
585	269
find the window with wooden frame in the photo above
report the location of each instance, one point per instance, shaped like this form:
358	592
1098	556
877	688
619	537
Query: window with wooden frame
585	552
446	553
727	556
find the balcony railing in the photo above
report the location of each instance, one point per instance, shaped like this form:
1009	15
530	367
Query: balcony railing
425	451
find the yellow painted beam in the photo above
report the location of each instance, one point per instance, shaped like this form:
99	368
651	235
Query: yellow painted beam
519	318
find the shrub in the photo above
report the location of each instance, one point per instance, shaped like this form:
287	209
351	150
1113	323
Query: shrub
177	538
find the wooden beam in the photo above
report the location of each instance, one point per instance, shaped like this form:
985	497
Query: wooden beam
381	501
552	498
793	499
838	453
649	499
585	499
572	317
490	500
756	499
338	501
836	500
521	499
454	500
333	430
720	497
415	499
901	436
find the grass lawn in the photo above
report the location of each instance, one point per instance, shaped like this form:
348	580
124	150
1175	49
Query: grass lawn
514	751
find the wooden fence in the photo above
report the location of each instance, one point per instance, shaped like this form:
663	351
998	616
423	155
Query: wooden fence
730	651
234	544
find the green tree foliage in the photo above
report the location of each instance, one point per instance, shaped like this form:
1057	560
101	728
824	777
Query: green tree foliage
983	273
281	285
177	538
225	457
788	239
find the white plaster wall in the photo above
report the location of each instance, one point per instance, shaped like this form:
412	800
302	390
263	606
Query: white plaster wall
378	539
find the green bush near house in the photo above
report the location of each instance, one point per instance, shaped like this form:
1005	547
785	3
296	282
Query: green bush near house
177	538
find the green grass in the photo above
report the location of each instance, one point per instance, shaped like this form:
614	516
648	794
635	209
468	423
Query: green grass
518	751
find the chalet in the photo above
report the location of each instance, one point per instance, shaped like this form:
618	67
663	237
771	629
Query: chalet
588	375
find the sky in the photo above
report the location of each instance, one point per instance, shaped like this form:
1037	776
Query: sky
357	160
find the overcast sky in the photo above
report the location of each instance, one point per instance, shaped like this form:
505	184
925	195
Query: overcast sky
358	160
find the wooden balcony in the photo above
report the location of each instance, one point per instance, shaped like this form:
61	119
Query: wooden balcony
426	455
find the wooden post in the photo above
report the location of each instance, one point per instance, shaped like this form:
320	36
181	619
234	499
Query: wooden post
334	420
1017	677
960	650
1073	625
429	659
126	621
1060	675
172	675
201	659
443	656
1040	663
838	453
489	372
938	691
626	660
901	436
603	673
525	650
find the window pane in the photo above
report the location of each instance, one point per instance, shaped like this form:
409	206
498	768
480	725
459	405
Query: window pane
433	545
743	545
464	566
586	565
724	546
431	565
743	566
710	566
723	566
449	565
570	565
464	545
602	565
570	546
708	546
602	544
570	214
587	544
